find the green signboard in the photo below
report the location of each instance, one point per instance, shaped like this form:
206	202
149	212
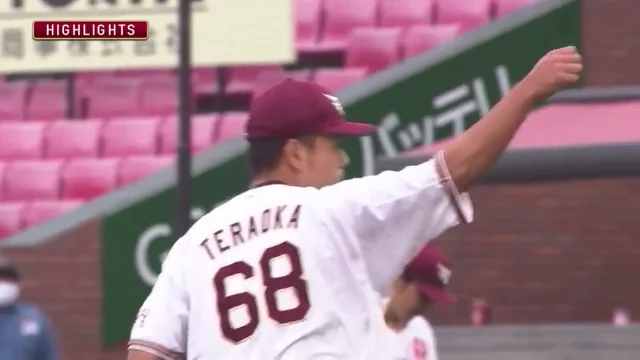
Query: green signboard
431	102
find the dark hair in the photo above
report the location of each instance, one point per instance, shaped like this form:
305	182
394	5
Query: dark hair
264	154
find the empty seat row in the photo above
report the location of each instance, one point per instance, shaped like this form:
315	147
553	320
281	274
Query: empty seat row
112	96
81	179
21	215
112	138
323	25
378	48
154	94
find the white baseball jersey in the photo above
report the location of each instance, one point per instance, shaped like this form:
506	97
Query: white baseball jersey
279	272
415	342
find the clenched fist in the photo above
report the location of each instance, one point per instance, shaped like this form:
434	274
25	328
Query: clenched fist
558	69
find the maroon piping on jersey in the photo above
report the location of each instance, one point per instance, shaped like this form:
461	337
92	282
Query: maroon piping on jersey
449	186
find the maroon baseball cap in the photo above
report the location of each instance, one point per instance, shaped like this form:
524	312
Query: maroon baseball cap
430	270
293	108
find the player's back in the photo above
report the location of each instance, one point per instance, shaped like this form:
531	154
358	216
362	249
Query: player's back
268	279
280	272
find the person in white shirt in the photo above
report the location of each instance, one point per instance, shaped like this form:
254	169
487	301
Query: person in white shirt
422	285
281	271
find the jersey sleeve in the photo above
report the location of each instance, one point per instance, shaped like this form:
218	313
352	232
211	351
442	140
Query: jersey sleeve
161	324
421	341
395	213
430	339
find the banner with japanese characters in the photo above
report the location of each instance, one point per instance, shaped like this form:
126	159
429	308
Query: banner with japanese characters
223	33
425	100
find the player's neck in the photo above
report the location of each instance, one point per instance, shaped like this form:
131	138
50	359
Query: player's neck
273	178
260	183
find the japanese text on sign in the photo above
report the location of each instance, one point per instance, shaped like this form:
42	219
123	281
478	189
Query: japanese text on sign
450	111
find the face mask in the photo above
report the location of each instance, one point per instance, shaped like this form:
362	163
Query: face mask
9	292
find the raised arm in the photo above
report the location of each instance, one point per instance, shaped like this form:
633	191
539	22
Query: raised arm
394	214
472	153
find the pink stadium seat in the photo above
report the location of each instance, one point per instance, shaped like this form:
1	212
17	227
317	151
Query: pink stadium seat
338	79
243	79
21	140
85	179
469	14
204	81
47	101
231	126
307	23
267	80
13	100
421	38
85	143
11	218
159	96
144	74
2	171
32	180
373	48
202	128
83	81
342	16
89	77
134	168
405	13
40	211
113	98
504	7
130	136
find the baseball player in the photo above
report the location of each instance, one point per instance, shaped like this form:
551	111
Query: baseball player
280	271
422	284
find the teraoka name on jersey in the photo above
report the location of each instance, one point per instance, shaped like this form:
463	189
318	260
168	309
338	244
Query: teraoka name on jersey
237	233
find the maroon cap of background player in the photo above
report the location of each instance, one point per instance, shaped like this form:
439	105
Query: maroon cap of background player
294	108
430	270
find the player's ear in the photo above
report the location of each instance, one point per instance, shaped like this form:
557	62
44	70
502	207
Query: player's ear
295	153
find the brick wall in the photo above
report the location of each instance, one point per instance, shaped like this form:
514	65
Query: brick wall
611	44
539	252
548	252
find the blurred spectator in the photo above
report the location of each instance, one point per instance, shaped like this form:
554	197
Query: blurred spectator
25	334
481	313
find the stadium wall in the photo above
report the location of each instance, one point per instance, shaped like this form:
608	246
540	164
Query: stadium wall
61	260
611	47
558	342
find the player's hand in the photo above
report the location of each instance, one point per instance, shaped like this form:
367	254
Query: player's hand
556	70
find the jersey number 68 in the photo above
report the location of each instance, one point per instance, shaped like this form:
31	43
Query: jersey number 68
293	280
